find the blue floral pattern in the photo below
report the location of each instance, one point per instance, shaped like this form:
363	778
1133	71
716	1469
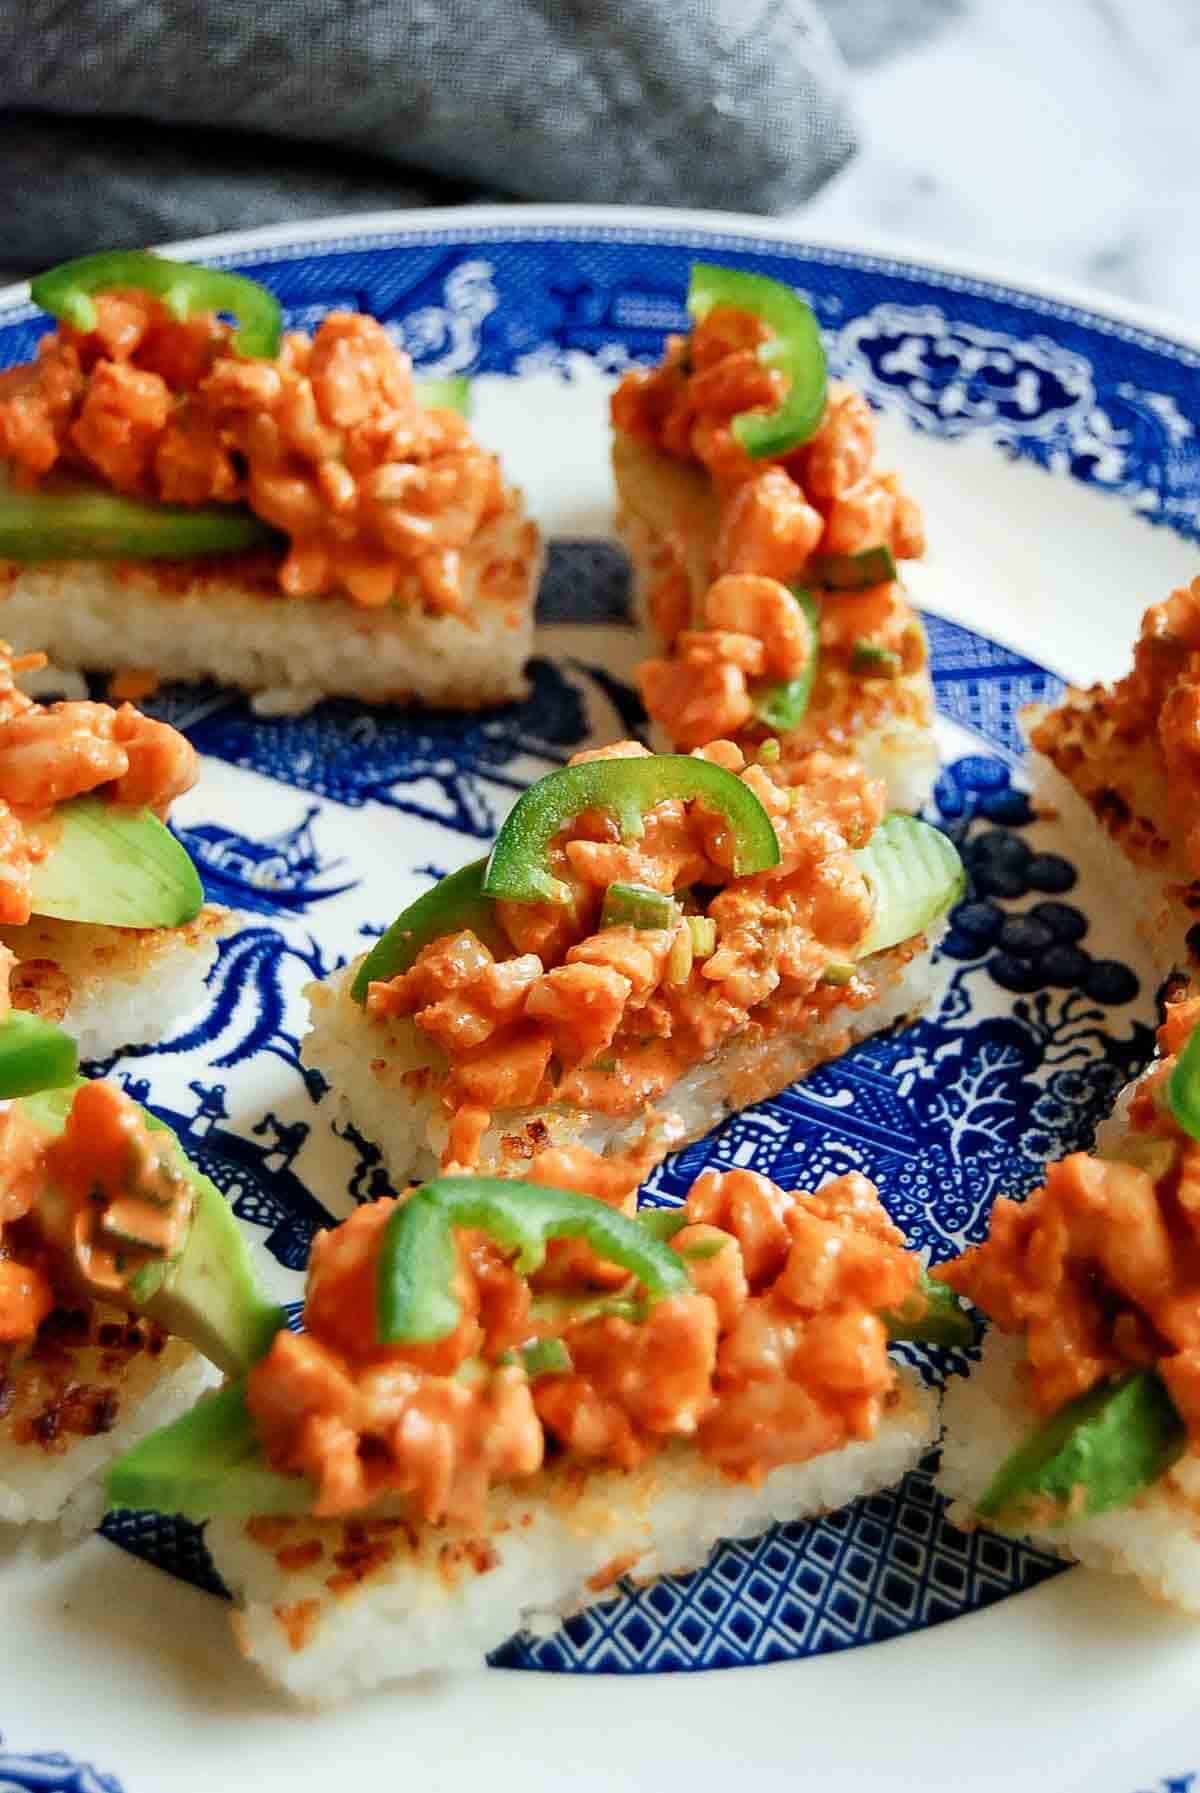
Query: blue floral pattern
1040	1022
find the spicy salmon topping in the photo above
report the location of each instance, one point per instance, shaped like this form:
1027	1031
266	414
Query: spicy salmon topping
776	1354
827	497
50	753
1132	749
328	442
606	1018
83	1210
1100	1268
869	643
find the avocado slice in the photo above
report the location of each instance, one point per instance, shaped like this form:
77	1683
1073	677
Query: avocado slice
914	874
1095	1453
209	1294
208	1461
118	867
453	903
933	1316
34	1055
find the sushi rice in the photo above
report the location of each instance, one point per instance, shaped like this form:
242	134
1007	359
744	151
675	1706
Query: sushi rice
330	1608
113	987
225	619
366	1061
60	1478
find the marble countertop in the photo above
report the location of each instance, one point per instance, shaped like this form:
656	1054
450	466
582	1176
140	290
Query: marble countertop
1046	137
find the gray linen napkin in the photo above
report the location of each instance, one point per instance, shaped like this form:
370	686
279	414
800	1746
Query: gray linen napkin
127	121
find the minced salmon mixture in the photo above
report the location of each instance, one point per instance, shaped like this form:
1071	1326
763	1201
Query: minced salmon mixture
1132	749
777	1354
826	497
50	753
119	1201
607	1018
1100	1268
329	443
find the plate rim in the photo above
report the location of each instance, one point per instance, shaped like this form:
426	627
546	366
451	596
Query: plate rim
1055	1614
1161	329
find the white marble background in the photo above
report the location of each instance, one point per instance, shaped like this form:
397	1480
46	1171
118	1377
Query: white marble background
1048	137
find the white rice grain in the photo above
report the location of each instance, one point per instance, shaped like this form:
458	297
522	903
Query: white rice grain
114	987
60	1479
204	620
385	1075
329	1608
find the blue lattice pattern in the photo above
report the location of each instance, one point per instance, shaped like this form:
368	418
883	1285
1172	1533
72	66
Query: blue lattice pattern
876	1569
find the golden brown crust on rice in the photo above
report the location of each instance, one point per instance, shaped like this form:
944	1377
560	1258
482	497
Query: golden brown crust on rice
84	1370
1117	771
177	620
59	962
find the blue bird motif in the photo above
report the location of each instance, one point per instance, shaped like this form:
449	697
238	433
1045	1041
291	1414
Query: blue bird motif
279	875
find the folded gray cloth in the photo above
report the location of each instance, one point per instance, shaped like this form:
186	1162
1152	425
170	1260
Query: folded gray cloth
127	121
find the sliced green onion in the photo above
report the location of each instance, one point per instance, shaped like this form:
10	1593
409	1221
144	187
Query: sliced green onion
637	906
871	662
838	971
450	394
680	959
703	930
853	572
546	1357
573	1310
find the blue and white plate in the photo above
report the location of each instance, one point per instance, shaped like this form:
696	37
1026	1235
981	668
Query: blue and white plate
1055	451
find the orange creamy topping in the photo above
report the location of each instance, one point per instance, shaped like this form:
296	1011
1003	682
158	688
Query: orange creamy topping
826	497
777	1354
50	753
607	1019
109	1196
329	443
1100	1268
